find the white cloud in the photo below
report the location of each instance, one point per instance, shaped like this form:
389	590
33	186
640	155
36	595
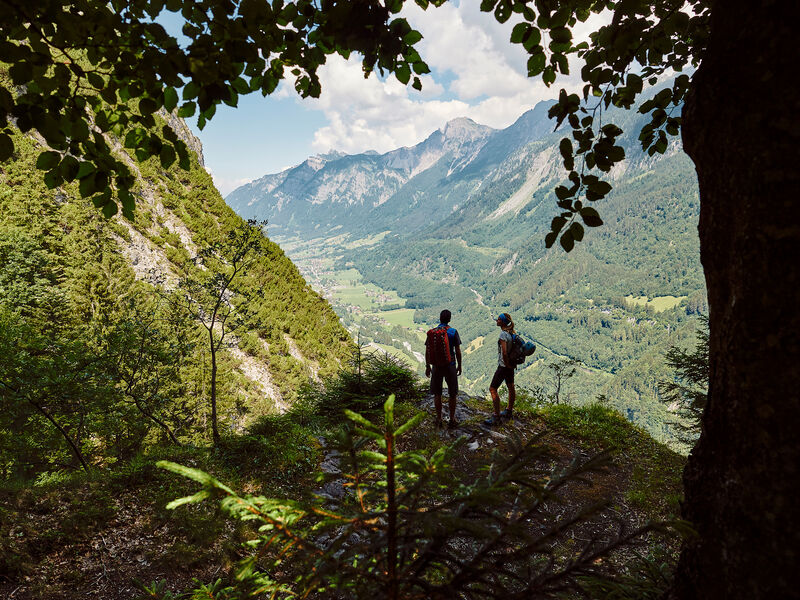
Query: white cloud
476	73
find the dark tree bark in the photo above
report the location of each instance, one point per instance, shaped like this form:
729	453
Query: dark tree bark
742	129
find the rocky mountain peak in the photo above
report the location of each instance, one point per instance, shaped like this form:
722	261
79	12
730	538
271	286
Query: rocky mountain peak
464	128
318	161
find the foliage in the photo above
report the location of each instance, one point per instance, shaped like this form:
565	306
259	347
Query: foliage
655	470
207	291
687	393
644	40
644	578
97	366
75	93
368	378
406	531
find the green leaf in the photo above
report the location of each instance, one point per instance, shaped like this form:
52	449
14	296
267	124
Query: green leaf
6	146
562	192
48	160
533	39
147	106
410	424
617	154
84	169
374	456
536	64
403	73
557	224
420	68
567	241
412	37
193	474
95	80
565	147
170	99
190	90
518	33
51	179
550	239
503	11
167	156
388	409
357	418
109	209
86	187
21	73
127	200
187	110
198	497
68	169
576	229
590	217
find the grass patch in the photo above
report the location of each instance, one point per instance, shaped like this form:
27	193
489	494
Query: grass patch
659	303
474	345
404	317
367	241
654	485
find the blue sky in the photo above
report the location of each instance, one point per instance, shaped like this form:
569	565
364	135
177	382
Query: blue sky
475	72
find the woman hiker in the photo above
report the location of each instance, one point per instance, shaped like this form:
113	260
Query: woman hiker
504	372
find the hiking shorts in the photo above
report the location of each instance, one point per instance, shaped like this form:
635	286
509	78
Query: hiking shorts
448	373
502	374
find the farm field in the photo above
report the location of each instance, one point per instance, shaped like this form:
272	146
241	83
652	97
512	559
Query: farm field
375	316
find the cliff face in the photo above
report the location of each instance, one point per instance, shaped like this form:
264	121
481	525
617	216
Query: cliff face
185	134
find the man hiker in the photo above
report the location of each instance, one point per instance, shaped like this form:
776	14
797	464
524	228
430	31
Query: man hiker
443	362
504	372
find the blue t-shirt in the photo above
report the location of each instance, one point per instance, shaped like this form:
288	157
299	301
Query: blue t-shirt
453	341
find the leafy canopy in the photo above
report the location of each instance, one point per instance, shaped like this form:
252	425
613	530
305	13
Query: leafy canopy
79	70
85	68
643	40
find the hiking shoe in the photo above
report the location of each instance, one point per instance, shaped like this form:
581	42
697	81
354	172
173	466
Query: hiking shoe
506	414
452	424
492	421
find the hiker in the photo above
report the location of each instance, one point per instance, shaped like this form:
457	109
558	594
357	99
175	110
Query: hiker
504	372
443	361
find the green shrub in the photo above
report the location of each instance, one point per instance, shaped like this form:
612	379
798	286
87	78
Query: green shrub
370	378
407	532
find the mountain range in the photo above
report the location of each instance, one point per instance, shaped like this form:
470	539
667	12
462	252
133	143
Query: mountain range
459	220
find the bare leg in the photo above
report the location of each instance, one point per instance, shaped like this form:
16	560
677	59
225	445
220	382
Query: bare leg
512	396
495	401
437	403
452	407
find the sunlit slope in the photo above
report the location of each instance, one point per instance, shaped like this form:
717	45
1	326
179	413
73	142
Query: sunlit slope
286	333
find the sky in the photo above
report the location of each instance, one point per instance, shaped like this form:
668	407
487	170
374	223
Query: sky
476	72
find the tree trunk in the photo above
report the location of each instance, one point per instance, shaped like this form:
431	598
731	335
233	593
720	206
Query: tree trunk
214	428
741	128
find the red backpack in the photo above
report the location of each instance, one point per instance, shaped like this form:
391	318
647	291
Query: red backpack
437	350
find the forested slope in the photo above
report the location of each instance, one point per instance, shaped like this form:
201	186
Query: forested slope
101	347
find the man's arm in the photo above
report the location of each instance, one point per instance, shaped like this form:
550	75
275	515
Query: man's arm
458	360
427	360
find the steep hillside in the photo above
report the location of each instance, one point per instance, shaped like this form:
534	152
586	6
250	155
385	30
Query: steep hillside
103	350
467	234
115	531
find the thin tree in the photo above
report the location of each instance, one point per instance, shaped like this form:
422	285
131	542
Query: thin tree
208	292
